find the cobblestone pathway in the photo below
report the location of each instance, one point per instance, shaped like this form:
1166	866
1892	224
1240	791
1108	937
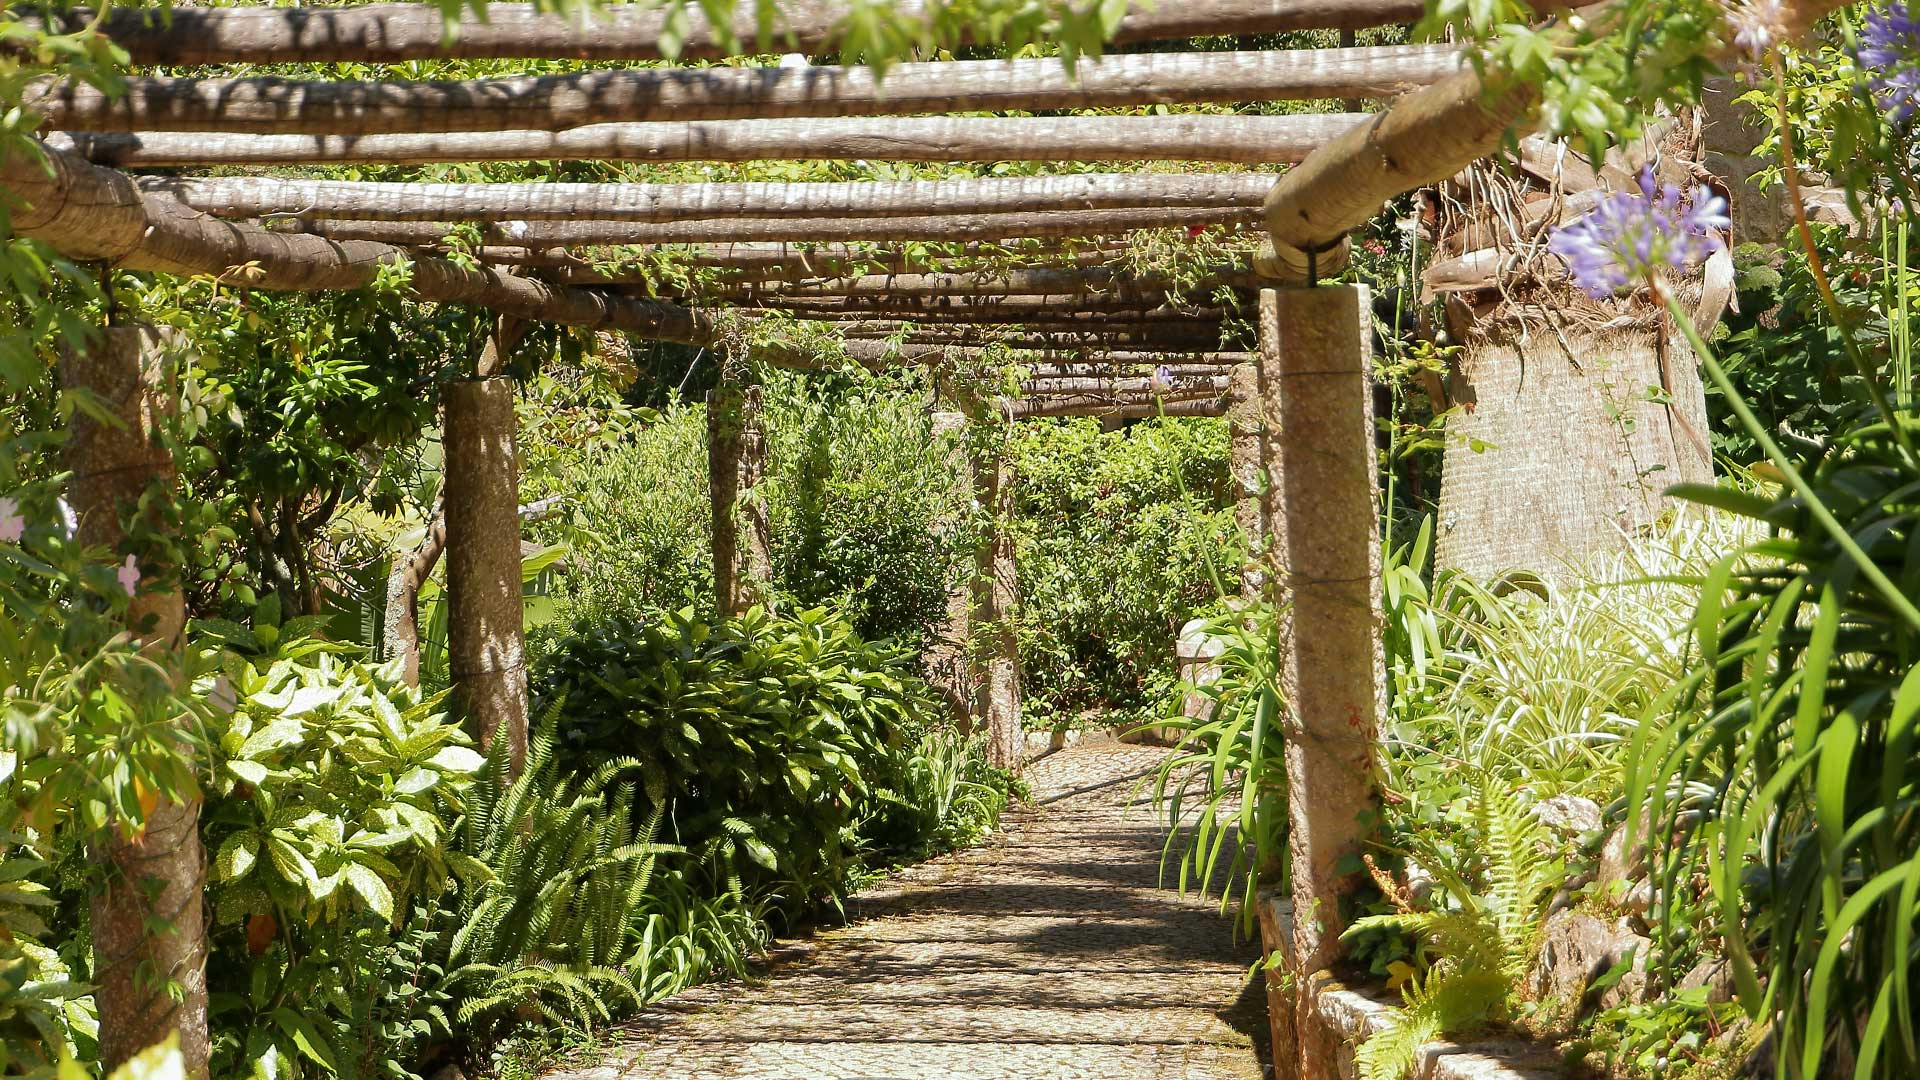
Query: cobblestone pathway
1046	954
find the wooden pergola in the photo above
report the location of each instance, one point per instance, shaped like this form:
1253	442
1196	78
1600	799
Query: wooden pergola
1031	263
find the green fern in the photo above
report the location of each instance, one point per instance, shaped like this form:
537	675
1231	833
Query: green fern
552	905
1482	946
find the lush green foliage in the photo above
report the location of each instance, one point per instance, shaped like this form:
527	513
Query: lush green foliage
780	746
1117	536
327	820
865	503
1224	789
1794	733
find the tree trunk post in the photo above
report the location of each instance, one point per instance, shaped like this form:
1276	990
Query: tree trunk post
149	934
1247	455
949	669
996	652
485	617
1315	356
736	462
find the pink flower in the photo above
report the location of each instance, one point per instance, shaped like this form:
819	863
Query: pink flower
129	575
12	524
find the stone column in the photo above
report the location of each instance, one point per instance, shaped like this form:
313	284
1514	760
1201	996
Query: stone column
1315	357
996	597
1247	453
149	934
485	615
736	462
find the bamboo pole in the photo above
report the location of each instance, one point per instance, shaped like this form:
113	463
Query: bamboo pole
275	106
273	196
1115	282
1183	386
799	262
392	33
1245	140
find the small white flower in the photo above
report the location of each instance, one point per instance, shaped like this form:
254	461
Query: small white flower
795	60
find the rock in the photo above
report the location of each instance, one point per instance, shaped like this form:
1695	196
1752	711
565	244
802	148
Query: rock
1572	815
1638	899
1577	948
1618	866
1716	975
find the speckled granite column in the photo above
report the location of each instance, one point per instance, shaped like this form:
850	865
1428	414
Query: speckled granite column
1316	354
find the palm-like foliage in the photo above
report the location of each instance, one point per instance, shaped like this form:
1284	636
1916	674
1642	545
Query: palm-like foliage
1788	765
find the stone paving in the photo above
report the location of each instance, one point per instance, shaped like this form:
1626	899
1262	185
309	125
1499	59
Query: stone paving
1047	953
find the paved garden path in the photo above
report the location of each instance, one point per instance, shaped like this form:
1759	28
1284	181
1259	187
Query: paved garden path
1048	953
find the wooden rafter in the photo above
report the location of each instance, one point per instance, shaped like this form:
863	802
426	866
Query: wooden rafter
394	33
275	106
263	196
1245	140
1070	281
1095	405
947	228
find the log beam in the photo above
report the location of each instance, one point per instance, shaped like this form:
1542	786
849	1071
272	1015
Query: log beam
273	196
1042	408
1245	140
955	228
1423	138
277	106
392	33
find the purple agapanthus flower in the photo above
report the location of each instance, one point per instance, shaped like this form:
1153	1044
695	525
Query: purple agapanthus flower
1889	57
1162	379
1632	234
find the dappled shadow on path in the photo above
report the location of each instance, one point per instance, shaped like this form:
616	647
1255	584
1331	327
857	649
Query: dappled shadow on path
1049	952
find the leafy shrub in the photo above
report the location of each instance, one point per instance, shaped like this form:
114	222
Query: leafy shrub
557	920
639	527
864	504
1114	535
327	816
767	737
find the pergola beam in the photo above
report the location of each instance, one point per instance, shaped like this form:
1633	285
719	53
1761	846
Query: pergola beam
396	33
1245	140
263	196
1107	281
276	106
951	228
1039	408
801	261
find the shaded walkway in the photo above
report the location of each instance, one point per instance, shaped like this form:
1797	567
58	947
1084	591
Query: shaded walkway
1049	953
